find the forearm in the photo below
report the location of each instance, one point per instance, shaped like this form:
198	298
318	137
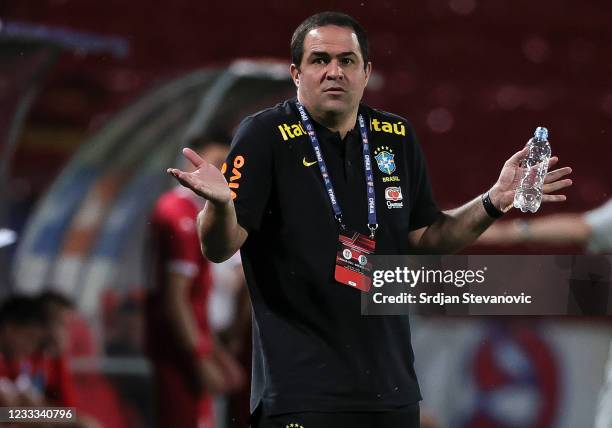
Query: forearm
241	323
456	228
220	234
180	317
554	229
184	325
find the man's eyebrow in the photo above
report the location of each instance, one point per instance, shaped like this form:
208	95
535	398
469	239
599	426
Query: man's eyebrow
327	55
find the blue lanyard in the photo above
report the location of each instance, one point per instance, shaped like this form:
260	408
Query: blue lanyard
369	176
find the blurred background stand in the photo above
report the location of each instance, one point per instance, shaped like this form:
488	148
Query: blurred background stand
27	54
87	236
88	233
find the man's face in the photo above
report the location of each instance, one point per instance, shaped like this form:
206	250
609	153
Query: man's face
57	335
21	340
331	77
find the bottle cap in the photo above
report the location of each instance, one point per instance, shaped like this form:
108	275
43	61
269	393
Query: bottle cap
541	133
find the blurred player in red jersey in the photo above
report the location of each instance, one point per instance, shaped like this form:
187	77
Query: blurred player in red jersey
21	332
50	362
51	356
188	366
33	365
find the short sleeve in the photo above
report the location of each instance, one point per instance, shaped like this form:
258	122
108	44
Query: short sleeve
248	171
600	222
424	210
175	225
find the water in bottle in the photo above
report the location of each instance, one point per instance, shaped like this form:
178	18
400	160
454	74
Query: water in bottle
528	196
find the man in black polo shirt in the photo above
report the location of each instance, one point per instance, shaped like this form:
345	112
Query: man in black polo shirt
297	176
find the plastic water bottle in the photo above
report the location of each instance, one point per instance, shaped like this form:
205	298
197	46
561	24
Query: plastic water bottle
528	196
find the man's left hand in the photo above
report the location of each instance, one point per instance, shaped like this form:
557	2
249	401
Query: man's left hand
502	192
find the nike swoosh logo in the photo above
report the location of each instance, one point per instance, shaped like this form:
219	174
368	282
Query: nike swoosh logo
306	163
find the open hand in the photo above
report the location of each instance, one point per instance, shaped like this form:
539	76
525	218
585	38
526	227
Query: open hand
206	181
502	193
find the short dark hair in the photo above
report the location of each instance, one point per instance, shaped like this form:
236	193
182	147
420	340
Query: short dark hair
51	297
21	310
321	20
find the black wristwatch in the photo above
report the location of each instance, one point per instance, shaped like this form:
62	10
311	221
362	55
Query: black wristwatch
489	207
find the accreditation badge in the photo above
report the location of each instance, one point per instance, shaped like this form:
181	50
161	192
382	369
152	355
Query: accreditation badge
353	265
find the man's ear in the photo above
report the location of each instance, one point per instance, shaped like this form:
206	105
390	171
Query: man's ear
295	74
368	72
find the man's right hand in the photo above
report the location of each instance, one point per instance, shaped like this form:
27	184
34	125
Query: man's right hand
206	181
218	229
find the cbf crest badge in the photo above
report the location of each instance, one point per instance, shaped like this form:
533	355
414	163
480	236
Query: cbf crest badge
385	159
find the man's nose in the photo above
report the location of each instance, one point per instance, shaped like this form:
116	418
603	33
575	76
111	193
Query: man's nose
334	70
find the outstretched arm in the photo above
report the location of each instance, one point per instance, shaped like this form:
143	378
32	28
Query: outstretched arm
458	228
220	234
555	229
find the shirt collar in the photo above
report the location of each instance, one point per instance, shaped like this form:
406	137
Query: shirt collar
325	133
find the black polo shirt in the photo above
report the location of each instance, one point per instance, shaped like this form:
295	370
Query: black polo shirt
312	349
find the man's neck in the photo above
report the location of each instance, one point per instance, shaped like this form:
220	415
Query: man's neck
335	121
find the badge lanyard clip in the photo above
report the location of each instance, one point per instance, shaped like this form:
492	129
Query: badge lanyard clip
372	228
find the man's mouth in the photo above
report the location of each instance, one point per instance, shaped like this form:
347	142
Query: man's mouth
334	90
